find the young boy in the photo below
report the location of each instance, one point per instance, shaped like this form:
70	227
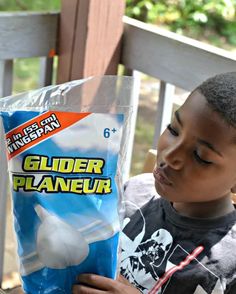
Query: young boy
185	241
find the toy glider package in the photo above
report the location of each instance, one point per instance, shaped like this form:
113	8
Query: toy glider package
66	146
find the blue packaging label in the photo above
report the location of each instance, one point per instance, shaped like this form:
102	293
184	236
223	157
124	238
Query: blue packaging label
63	169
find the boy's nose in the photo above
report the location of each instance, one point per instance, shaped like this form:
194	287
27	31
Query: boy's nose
173	157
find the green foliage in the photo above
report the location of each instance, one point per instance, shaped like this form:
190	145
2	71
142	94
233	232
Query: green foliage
198	18
39	5
26	73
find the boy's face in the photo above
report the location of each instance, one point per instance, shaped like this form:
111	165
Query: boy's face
196	159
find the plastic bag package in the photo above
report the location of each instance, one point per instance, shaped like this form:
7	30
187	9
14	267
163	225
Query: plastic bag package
66	149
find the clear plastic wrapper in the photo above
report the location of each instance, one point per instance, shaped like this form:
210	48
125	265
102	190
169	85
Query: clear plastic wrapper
66	149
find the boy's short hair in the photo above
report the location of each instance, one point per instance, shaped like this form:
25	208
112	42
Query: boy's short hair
220	93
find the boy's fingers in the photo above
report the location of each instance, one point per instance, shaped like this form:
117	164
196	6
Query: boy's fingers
82	289
96	281
94	284
123	280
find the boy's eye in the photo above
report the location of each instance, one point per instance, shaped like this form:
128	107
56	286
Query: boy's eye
172	130
199	159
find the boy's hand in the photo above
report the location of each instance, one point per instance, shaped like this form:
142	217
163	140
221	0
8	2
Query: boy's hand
94	284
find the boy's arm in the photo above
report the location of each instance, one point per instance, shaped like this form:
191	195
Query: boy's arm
94	284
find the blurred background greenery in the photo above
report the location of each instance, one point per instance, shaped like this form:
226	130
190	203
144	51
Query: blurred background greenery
33	5
210	21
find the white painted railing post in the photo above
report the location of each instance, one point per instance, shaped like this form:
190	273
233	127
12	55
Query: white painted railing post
3	200
6	73
6	69
134	100
164	109
46	71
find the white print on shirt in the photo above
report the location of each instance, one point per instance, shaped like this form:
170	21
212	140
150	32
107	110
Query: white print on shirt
172	268
217	290
153	251
141	261
134	255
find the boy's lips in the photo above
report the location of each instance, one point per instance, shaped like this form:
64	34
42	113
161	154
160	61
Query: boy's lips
161	177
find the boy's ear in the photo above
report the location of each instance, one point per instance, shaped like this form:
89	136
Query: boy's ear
233	190
233	196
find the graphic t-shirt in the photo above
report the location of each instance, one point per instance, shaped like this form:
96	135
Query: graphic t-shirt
164	252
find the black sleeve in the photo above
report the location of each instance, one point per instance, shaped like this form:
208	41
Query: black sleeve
232	289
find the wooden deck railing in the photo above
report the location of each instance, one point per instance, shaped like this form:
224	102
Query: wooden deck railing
22	35
25	35
175	60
